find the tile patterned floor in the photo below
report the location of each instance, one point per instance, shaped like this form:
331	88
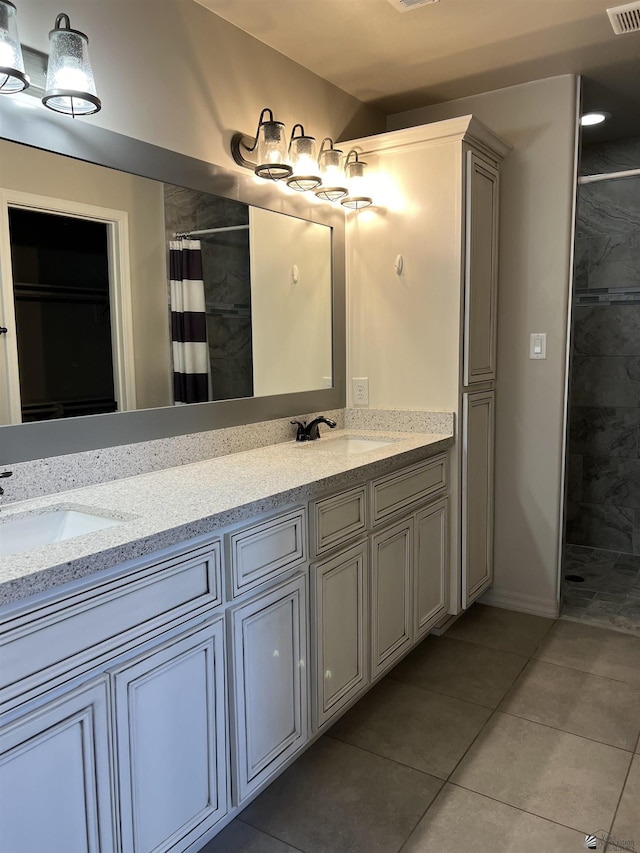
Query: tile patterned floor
509	734
609	594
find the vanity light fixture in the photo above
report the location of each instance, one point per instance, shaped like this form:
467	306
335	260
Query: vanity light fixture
71	88
330	164
12	75
354	173
304	163
271	144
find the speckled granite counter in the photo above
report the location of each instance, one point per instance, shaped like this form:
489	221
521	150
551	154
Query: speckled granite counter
165	507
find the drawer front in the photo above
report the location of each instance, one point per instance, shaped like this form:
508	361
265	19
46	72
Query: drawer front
338	519
263	551
404	489
87	627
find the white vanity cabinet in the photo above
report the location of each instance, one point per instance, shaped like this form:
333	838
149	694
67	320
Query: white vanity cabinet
340	605
269	683
391	595
431	567
55	776
171	740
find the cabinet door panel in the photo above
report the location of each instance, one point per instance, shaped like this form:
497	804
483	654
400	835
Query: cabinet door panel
431	566
341	603
55	791
477	494
269	653
171	734
481	271
391	595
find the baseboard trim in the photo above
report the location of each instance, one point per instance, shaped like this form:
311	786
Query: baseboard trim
522	603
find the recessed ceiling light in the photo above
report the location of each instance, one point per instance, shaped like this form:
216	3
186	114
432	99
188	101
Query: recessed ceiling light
588	119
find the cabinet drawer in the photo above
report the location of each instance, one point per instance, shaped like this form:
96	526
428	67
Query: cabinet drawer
263	551
85	628
337	519
404	489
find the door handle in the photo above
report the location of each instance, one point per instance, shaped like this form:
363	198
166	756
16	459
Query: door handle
3	330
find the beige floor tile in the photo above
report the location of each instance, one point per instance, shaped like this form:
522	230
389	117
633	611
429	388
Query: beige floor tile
590	649
577	702
626	827
340	799
425	730
553	774
238	837
461	821
497	628
463	670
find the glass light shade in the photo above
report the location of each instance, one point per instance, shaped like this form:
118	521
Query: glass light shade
357	197
272	151
333	186
12	76
71	88
304	162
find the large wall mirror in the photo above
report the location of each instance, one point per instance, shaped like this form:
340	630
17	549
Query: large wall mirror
148	294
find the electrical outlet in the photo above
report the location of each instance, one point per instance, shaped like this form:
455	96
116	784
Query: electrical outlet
360	390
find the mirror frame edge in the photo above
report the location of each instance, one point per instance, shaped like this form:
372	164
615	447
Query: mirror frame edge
26	442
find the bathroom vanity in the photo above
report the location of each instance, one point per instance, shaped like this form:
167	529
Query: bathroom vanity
157	674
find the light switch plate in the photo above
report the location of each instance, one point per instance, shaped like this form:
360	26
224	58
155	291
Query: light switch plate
538	345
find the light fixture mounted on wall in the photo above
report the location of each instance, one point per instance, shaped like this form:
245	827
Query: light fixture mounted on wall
330	164
355	174
271	144
70	87
323	175
12	75
304	162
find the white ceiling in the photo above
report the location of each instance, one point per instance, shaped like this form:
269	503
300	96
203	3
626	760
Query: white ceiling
452	48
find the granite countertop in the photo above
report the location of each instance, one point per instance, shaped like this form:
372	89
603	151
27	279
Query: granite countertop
166	507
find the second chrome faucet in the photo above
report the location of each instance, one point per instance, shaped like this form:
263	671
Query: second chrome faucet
311	431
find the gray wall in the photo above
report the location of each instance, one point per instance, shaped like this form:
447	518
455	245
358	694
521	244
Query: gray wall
603	488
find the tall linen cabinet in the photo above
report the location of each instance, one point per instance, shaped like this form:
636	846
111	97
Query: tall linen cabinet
425	336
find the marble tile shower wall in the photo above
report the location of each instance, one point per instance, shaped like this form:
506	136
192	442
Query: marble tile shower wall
227	283
603	488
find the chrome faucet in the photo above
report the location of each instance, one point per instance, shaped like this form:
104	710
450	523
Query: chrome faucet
4	474
311	432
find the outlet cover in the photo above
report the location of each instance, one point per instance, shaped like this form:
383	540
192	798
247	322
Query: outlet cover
360	390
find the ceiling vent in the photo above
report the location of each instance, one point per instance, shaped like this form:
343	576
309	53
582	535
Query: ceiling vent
408	5
625	19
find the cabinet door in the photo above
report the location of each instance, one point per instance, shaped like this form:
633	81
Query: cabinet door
55	788
391	595
431	565
477	493
341	636
171	741
269	683
481	271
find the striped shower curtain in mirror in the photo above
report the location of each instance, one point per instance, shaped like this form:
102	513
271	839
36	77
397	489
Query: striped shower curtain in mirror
188	323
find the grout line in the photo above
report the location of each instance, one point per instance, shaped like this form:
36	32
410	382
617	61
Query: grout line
442	779
442	693
564	731
269	834
617	808
588	672
518	808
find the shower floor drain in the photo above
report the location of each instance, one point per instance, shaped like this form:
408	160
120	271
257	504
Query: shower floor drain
574	578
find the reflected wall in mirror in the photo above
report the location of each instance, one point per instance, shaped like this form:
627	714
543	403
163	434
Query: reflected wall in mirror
89	329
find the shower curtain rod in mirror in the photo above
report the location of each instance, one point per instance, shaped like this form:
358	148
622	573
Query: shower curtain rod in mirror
609	176
204	231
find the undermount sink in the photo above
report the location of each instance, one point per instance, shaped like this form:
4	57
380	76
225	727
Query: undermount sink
24	532
349	445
